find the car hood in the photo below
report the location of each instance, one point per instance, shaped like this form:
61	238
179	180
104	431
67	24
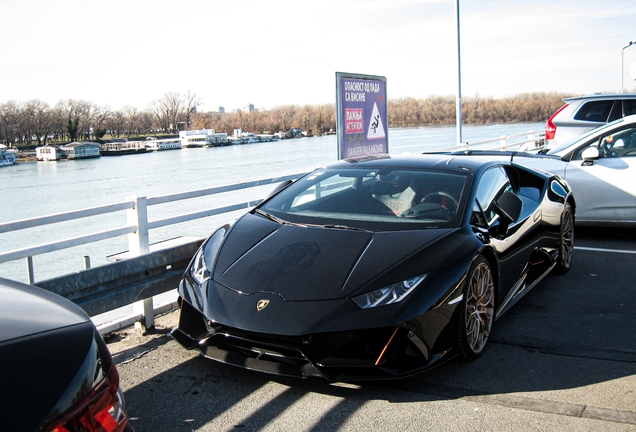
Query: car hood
310	263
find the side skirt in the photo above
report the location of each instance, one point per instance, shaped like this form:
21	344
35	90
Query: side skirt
522	287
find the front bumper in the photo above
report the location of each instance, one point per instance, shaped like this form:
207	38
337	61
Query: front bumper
380	353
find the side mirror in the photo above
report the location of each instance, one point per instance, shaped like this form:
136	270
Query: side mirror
590	154
508	207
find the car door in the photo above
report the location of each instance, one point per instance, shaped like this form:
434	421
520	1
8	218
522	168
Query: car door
605	187
512	240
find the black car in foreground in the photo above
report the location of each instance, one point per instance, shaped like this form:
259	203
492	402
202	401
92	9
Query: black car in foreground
57	373
377	267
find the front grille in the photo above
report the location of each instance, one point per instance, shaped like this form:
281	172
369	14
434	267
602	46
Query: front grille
372	353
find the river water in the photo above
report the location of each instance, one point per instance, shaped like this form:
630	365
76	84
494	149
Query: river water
33	189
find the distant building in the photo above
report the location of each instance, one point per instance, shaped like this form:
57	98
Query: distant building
248	108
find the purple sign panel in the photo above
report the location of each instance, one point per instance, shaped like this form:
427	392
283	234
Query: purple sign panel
362	115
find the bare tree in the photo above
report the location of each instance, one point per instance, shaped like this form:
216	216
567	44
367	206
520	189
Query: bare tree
287	116
40	118
99	121
146	122
255	121
169	111
131	117
73	112
116	123
191	101
9	122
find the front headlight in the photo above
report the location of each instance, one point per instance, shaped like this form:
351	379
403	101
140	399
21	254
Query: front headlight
200	269
388	295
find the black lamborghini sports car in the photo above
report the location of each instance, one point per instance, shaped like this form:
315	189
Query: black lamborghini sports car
377	267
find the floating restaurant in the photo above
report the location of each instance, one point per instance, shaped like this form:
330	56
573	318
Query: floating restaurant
202	138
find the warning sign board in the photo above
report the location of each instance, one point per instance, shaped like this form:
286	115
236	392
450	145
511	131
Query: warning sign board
376	127
361	104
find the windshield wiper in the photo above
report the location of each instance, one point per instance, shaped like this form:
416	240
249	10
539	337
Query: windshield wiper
345	227
272	217
284	222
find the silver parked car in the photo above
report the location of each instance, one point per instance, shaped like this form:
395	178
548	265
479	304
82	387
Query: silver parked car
584	113
600	167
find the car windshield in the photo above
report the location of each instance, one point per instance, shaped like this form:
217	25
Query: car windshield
371	199
565	146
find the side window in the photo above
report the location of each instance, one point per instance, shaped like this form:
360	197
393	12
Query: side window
617	112
629	107
493	183
618	144
596	111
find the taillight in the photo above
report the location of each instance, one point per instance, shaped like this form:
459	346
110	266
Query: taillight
102	410
550	127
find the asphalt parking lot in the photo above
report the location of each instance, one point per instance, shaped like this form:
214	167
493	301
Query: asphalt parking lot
563	358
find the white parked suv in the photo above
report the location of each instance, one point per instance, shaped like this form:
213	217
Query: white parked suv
584	113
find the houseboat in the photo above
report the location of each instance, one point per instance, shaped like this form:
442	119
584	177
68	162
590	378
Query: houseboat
120	146
48	153
154	144
80	150
202	138
7	157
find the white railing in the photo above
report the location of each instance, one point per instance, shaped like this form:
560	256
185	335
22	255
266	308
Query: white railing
137	220
137	226
531	140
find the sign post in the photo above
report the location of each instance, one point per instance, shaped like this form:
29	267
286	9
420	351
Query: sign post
362	115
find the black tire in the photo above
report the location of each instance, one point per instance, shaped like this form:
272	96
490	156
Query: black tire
477	310
566	240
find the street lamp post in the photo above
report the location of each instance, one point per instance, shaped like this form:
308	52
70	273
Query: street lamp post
458	104
622	63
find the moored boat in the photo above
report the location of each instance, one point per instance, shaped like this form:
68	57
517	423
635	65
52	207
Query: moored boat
7	157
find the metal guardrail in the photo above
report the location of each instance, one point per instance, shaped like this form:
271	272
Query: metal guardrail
143	274
124	282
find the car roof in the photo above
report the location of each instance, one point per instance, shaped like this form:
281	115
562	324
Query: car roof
447	161
601	96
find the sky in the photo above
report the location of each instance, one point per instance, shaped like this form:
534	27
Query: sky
270	53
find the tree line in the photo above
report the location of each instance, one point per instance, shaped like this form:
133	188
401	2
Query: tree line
37	123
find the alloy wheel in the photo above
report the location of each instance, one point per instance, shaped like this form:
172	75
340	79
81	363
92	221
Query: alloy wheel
479	311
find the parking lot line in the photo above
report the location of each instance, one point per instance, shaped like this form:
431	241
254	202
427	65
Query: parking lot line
604	250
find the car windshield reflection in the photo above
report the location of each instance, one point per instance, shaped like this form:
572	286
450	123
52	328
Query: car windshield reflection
376	199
